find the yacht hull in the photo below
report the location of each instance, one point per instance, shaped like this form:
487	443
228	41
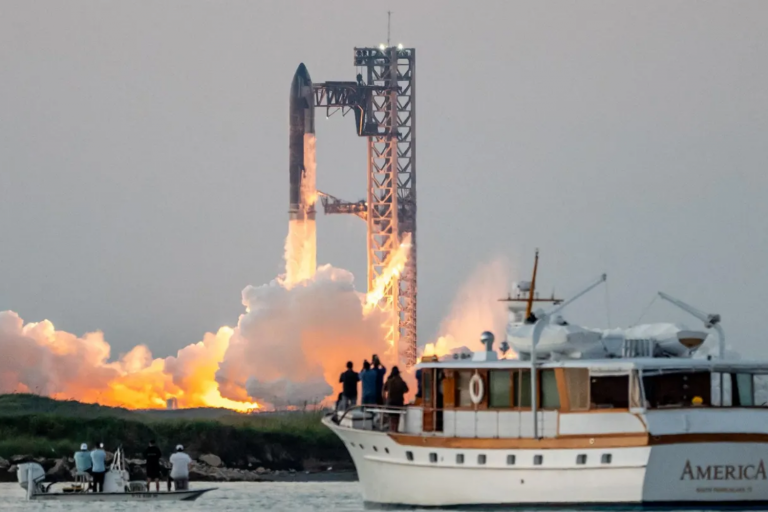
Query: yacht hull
721	474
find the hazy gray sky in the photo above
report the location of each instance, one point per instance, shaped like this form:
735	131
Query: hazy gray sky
144	151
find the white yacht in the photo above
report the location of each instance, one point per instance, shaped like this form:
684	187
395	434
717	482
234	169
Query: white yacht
581	417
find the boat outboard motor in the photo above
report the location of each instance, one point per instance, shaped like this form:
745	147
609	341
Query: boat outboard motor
30	476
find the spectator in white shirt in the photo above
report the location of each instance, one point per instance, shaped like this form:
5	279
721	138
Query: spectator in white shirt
180	462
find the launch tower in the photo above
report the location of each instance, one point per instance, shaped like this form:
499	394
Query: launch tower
383	99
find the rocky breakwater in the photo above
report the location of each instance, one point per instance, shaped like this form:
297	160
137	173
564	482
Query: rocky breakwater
205	468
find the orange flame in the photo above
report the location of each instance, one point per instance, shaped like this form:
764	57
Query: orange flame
392	269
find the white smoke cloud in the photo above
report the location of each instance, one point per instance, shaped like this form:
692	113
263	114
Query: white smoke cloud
475	309
292	344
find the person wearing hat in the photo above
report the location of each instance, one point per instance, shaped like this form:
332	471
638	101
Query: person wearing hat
180	462
83	462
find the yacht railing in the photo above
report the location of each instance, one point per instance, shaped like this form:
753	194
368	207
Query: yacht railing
379	416
466	423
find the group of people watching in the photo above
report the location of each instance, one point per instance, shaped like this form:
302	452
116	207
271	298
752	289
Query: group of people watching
92	465
376	390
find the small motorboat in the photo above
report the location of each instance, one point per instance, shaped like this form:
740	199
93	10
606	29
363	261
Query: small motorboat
117	486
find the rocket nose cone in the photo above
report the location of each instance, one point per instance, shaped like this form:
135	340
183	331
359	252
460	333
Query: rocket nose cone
302	73
301	85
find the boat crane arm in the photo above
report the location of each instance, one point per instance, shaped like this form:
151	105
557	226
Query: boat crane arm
540	314
710	320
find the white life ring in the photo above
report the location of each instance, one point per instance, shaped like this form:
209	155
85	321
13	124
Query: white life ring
476	389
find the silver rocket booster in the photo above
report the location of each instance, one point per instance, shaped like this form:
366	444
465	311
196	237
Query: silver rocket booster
301	164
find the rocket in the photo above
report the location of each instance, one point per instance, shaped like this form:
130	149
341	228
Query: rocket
301	244
301	164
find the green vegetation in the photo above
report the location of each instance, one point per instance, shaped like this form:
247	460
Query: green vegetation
38	426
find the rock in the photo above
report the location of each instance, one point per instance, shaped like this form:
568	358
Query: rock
211	459
13	468
16	459
60	470
4	464
260	470
253	461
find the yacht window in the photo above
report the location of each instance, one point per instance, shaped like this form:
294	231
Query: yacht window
481	459
426	380
459	458
500	394
760	384
581	459
550	397
721	399
409	456
606	458
538	460
635	391
743	390
609	392
462	388
433	458
577	383
683	389
510	460
522	396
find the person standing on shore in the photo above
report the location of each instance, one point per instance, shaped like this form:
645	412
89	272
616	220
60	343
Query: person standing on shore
381	371
153	455
99	468
349	380
180	462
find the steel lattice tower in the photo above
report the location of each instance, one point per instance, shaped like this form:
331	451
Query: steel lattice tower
383	99
392	184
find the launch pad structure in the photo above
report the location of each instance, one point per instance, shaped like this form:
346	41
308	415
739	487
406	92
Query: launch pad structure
383	100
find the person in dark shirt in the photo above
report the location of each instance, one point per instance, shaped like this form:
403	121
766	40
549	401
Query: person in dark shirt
153	455
395	388
381	371
349	380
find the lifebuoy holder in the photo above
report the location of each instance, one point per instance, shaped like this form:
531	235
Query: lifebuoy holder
476	390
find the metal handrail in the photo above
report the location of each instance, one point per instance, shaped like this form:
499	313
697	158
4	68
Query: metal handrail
382	411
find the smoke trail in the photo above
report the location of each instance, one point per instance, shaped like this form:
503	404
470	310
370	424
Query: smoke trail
475	309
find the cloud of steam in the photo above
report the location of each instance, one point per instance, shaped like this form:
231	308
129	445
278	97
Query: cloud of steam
39	359
287	349
475	309
293	343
